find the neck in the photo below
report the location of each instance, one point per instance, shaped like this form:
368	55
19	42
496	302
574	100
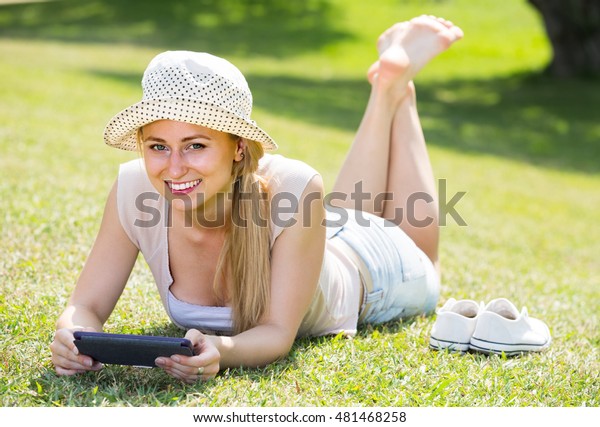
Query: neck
212	215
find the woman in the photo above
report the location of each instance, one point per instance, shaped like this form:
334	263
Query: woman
244	254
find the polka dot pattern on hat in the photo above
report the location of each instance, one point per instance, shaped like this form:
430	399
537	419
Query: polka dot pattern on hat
190	87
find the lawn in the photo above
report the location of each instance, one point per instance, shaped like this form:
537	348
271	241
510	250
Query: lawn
525	148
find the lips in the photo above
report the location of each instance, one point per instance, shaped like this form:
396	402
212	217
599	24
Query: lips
183	187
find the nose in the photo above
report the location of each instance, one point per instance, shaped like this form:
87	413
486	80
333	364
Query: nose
177	165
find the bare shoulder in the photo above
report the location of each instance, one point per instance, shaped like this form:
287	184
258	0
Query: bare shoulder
279	170
307	227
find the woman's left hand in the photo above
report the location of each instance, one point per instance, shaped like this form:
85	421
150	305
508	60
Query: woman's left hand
204	365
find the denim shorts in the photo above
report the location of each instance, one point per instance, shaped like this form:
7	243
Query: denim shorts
405	282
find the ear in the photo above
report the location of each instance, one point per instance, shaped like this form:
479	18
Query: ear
240	151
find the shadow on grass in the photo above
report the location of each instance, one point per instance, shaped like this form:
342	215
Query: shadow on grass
528	118
266	27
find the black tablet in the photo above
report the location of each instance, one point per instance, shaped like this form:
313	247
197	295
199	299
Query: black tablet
135	350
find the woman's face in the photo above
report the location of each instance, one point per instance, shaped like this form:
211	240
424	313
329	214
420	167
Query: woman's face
189	164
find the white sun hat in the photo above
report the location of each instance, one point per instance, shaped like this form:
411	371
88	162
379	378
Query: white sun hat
192	87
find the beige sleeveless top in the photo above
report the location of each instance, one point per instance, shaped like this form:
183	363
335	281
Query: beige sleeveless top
143	213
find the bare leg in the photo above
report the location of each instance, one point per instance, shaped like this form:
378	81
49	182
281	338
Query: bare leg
366	164
389	153
414	205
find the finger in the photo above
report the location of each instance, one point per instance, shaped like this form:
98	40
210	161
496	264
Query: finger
65	338
189	372
67	372
196	337
65	354
187	368
183	366
203	348
205	353
190	378
203	372
62	355
186	375
62	370
81	363
192	366
183	375
71	337
68	368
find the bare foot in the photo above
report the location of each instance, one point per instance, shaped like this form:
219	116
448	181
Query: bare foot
406	47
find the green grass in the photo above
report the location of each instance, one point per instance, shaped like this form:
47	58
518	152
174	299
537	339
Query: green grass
525	148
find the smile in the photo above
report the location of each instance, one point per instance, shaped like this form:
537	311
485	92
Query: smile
182	186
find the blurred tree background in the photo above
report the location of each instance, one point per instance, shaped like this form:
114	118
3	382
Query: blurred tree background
267	27
573	27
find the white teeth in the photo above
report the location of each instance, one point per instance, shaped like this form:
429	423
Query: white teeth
185	185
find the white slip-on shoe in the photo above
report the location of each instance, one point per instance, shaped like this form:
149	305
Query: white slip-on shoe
454	325
502	329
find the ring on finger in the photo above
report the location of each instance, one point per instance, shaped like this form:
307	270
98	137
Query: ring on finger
200	370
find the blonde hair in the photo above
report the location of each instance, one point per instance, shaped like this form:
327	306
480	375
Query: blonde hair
246	255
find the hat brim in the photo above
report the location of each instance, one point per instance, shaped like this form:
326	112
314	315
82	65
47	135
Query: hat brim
121	130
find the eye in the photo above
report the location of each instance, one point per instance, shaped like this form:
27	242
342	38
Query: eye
197	146
158	147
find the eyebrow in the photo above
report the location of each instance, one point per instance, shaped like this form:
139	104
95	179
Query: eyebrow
186	139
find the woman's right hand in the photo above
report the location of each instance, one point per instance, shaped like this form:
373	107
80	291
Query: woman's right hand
66	357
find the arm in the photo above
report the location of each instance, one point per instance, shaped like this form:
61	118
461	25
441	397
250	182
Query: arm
97	291
296	261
